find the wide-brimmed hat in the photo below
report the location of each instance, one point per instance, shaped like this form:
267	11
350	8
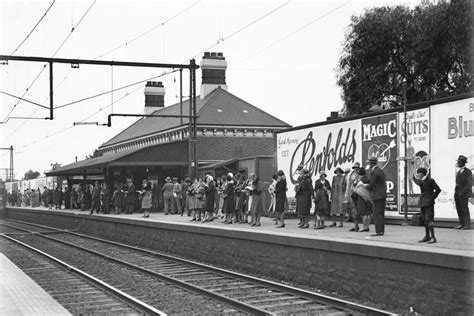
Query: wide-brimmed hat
372	159
175	179
347	170
462	159
356	165
168	179
304	171
338	169
322	173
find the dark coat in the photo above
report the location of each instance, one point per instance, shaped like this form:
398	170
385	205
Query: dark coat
320	200
377	186
304	193
210	196
229	201
57	197
280	195
257	201
429	190
463	186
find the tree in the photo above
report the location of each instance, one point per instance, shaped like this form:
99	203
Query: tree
95	154
427	48
30	174
55	166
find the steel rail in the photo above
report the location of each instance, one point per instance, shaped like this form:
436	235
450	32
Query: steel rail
317	297
223	299
135	303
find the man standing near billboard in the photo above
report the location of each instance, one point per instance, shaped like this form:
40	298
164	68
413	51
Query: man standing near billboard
462	192
378	194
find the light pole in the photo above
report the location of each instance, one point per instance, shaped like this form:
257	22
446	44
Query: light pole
10	174
405	158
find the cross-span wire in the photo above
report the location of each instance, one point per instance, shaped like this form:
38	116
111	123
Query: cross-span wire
220	40
296	31
44	66
37	23
148	31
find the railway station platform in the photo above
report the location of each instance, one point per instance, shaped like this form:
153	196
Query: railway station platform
393	272
20	295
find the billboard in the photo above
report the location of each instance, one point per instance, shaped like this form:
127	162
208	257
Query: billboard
379	138
324	147
452	135
417	130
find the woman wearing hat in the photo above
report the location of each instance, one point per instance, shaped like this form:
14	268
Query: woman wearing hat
147	200
327	192
351	180
337	197
304	195
361	198
280	198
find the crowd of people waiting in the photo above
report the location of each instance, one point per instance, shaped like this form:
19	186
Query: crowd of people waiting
353	196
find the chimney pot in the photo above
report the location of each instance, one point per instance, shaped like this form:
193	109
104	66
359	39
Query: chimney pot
213	54
207	54
154	96
220	55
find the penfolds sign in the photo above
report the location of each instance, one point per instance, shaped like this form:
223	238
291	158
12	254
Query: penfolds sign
319	148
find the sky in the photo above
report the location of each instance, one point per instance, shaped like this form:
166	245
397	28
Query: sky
282	57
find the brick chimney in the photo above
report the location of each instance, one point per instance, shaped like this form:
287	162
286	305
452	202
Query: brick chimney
213	66
154	96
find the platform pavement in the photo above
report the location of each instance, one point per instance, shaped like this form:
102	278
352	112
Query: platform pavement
20	295
449	240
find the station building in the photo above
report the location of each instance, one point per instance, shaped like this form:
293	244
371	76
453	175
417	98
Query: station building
232	136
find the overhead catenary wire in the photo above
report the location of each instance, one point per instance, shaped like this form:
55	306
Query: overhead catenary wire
116	89
174	70
297	30
33	29
149	30
44	66
91	115
220	40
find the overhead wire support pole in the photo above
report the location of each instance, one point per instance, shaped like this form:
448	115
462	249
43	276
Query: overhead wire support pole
109	118
95	62
192	67
194	118
51	91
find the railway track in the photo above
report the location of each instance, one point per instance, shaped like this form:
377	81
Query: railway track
244	293
77	291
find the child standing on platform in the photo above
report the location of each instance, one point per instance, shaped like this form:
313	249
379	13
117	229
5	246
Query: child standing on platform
320	205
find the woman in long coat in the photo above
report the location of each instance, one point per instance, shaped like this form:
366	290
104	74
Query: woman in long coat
304	194
280	198
209	190
257	202
337	196
229	199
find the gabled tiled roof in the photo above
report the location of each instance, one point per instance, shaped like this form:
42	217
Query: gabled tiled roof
218	108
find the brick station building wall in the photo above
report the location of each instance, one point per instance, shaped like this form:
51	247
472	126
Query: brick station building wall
223	148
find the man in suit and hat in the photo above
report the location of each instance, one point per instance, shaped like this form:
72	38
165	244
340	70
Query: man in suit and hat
378	193
462	192
167	190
